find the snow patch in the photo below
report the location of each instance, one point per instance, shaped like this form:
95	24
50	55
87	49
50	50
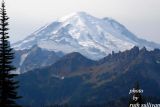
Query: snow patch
158	62
23	57
58	77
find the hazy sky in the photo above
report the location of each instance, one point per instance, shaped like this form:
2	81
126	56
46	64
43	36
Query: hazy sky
142	17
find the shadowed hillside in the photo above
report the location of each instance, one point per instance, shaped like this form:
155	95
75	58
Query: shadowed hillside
77	80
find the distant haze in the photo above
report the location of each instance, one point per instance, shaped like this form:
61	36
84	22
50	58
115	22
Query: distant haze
141	17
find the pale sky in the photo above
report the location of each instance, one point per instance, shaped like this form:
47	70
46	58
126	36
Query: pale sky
142	17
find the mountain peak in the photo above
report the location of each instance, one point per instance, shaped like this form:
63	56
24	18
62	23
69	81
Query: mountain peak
76	15
80	13
74	55
81	32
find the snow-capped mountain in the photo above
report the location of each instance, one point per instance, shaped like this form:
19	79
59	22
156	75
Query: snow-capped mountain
80	32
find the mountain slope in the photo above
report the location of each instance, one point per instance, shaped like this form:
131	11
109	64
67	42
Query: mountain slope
106	80
71	63
80	32
26	60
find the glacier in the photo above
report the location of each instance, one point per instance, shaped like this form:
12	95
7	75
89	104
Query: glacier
81	32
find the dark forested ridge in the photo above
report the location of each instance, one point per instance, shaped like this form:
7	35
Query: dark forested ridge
107	81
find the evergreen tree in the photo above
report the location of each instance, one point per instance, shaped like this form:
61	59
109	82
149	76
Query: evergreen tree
8	84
